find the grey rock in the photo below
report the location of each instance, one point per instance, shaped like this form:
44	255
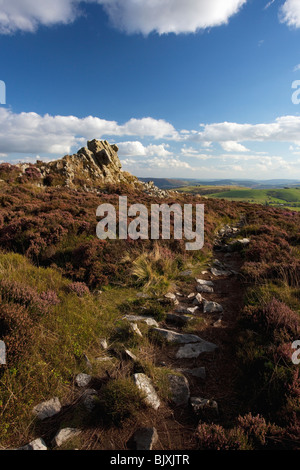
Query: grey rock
145	385
47	409
186	273
37	444
174	337
190	351
203	282
220	272
64	435
203	289
130	355
136	318
135	329
191	295
82	380
204	407
198	300
170	296
212	307
179	388
145	438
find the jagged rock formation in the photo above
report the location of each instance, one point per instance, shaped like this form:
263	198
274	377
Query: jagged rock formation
91	167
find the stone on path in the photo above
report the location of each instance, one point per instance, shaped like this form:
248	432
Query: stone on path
64	435
198	372
170	296
145	438
203	289
203	282
179	388
192	295
220	272
204	407
47	409
136	318
174	337
83	380
194	350
212	307
198	300
37	444
145	385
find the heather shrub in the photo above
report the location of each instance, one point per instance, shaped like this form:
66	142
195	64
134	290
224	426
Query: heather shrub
215	437
15	330
79	288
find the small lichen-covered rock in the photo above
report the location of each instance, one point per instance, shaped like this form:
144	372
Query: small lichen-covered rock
64	435
83	380
37	444
179	389
145	385
204	407
47	409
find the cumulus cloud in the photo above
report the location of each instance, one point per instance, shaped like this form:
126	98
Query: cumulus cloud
290	13
283	129
232	146
170	16
132	16
32	133
136	148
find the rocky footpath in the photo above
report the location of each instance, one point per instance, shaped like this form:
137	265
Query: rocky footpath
199	369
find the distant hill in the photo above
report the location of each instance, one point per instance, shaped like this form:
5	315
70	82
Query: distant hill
171	183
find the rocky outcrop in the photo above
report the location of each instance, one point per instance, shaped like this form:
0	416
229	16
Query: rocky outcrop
91	167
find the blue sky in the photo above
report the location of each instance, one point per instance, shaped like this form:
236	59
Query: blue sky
186	88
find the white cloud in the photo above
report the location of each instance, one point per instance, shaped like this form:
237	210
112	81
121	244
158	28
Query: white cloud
143	16
170	16
296	68
156	163
232	146
290	13
32	133
134	149
283	129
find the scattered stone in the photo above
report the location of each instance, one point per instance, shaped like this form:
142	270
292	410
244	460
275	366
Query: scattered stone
64	435
191	296
103	343
179	388
190	351
145	438
187	273
203	282
47	409
90	399
130	355
198	300
244	241
135	318
204	272
179	294
212	307
174	337
203	289
192	310
145	385
204	407
135	329
37	444
170	296
83	380
199	372
220	272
